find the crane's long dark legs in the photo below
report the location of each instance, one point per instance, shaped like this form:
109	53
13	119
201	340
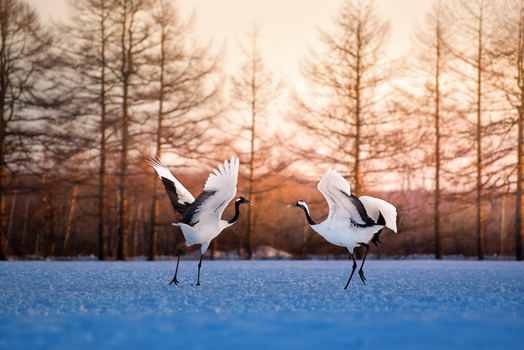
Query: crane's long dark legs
360	272
199	266
178	262
352	271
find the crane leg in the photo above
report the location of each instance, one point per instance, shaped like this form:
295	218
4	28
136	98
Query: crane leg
360	271
178	262
352	271
199	266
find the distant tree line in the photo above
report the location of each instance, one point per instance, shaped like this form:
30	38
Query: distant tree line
438	133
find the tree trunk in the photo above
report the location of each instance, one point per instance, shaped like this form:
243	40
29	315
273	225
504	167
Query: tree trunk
251	216
122	204
438	245
520	175
358	128
9	230
136	229
3	169
121	253
358	122
254	85
102	233
480	214
520	142
153	229
69	220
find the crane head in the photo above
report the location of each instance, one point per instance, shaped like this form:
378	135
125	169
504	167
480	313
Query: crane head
299	204
242	200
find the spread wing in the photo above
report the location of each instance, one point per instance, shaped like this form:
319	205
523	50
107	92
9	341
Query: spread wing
342	204
377	207
220	189
179	196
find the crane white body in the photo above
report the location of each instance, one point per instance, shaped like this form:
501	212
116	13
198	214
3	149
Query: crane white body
339	234
352	222
202	234
201	217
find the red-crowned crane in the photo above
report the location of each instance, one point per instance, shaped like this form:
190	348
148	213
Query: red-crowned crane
201	217
352	222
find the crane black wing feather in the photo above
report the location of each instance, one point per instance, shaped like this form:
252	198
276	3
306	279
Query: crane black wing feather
361	211
193	207
180	208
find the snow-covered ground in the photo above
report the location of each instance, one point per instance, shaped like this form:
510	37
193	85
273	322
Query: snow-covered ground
262	304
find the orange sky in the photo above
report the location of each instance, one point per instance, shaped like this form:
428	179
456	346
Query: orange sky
289	26
289	29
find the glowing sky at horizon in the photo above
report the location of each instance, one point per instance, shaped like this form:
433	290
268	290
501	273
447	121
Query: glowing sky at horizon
289	30
289	27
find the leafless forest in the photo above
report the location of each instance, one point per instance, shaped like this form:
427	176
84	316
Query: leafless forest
438	133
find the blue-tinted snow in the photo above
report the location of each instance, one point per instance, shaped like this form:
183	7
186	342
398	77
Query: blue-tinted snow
262	304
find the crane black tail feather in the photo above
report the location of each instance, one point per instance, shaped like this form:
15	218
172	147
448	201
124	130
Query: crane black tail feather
376	237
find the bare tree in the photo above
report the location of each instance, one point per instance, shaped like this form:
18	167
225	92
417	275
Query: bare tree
509	72
432	44
84	52
24	47
127	64
340	110
471	19
186	91
254	89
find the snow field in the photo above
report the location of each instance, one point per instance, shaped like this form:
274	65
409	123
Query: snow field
261	304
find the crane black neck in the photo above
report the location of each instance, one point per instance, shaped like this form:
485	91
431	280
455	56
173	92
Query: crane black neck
237	213
308	217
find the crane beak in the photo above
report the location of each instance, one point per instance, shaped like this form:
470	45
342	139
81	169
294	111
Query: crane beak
292	205
250	203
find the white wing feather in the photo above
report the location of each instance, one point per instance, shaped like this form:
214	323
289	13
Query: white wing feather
375	206
336	190
224	183
184	196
